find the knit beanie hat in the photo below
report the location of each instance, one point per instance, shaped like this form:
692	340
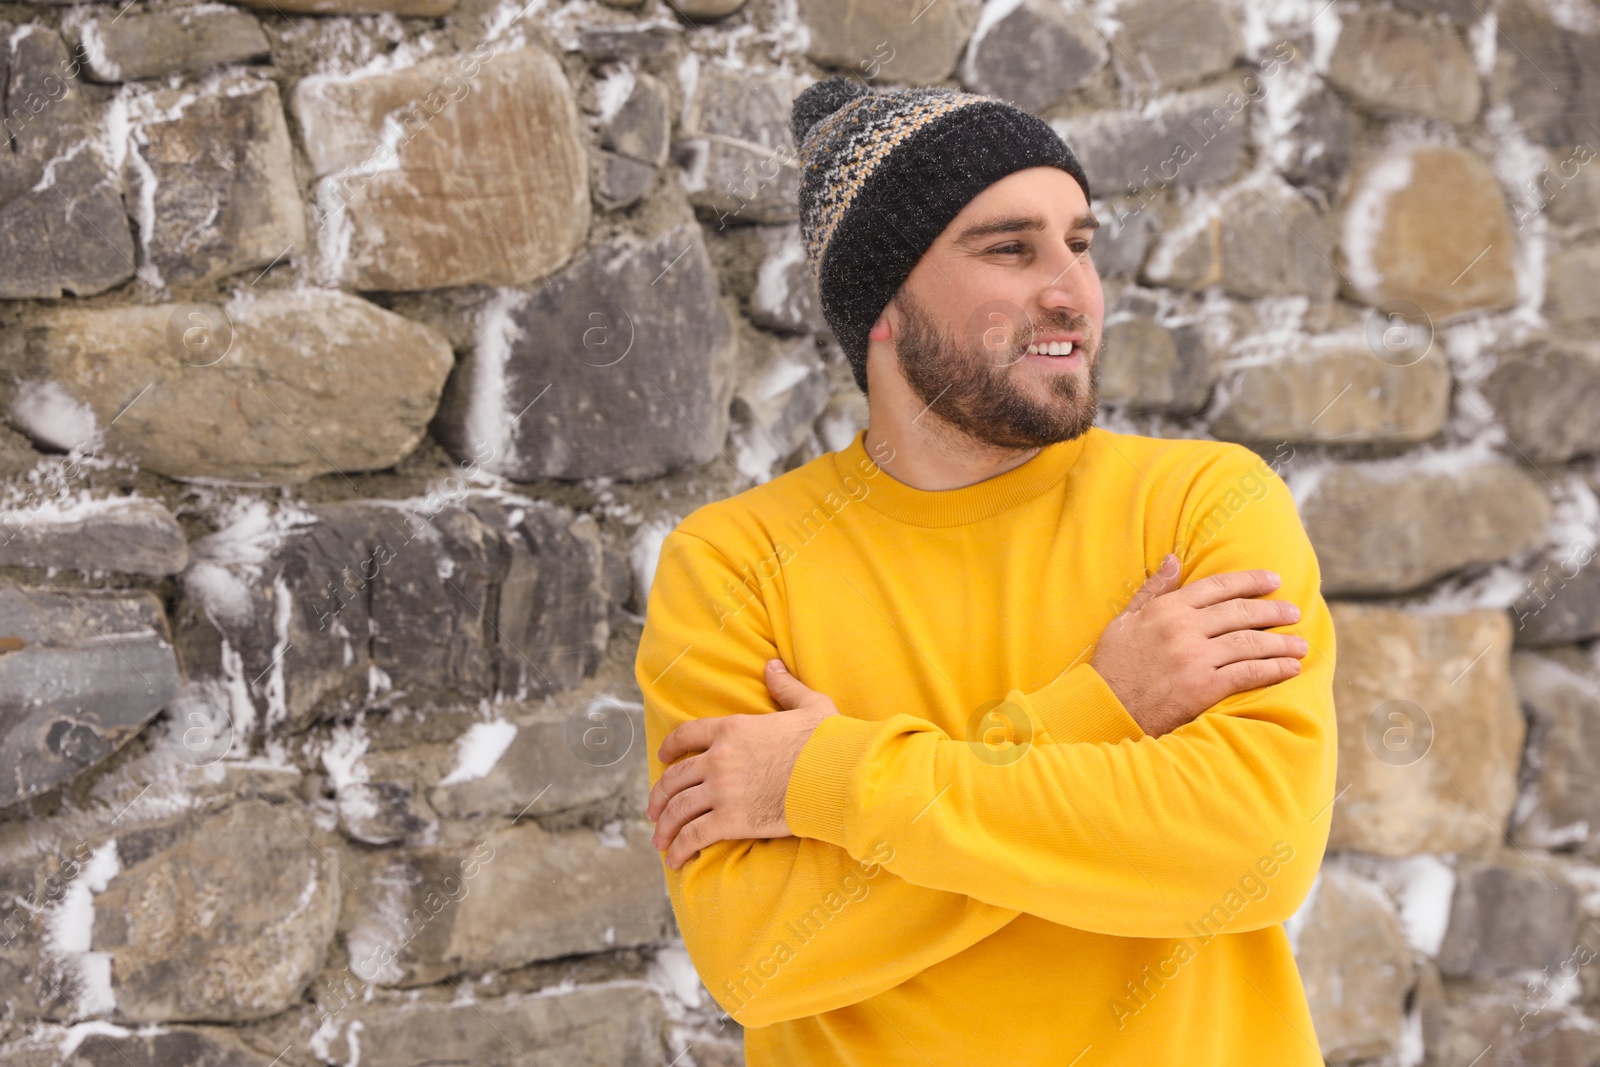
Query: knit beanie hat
882	175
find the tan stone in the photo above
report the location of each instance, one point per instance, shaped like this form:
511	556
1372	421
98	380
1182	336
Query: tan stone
1355	966
1572	286
404	8
923	39
1337	391
1430	733
461	170
302	383
1386	528
1404	235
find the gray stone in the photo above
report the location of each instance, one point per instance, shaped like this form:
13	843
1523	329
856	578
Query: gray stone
1151	367
1572	286
1034	55
1336	390
1194	138
276	387
641	127
200	928
1560	599
211	1047
1401	237
613	1026
624	41
403	8
216	173
122	535
1505	918
567	759
1462	12
1317	149
1355	965
1275	243
907	41
1560	808
408	601
1501	1023
620	182
784	297
422	915
1127	229
1570	192
709	9
1551	77
1430	734
1545	395
774	406
1164	44
1391	528
79	676
634	333
459	170
737	151
63	228
1392	64
128	47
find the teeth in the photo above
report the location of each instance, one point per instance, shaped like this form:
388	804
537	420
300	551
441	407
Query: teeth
1053	348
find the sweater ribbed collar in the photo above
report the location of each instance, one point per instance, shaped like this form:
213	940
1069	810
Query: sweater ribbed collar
957	507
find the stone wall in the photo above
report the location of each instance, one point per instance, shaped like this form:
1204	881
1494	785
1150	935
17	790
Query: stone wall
359	353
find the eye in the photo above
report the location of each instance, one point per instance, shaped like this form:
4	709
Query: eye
1015	245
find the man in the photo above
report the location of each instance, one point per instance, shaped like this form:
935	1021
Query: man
990	739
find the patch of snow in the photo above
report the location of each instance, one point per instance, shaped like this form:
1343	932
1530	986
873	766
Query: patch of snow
479	749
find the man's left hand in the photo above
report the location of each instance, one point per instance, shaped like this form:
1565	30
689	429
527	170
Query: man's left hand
735	785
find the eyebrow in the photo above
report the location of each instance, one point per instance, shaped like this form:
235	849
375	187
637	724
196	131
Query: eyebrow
1016	223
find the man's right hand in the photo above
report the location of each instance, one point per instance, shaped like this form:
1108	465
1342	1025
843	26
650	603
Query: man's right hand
1174	652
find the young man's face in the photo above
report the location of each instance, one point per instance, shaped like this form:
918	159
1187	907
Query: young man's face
1012	268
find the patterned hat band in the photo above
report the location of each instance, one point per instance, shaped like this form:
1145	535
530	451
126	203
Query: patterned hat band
883	174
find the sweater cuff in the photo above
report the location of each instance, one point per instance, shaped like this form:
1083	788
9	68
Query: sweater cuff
819	785
1079	706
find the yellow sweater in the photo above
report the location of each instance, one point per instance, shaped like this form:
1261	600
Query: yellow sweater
1062	890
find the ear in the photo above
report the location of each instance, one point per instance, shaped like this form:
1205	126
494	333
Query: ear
880	330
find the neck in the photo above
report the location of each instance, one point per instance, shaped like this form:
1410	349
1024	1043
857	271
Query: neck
934	456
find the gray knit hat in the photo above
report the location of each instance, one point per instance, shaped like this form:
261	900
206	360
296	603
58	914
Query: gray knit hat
882	175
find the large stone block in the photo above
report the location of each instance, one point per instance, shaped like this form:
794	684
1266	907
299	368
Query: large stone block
1168	43
1355	965
63	227
1337	390
1392	527
128	47
1401	237
908	41
634	333
1560	808
1545	395
1391	64
305	613
460	170
276	387
80	675
1551	77
1033	54
196	927
612	1026
1430	734
213	177
737	151
419	916
1508	916
124	535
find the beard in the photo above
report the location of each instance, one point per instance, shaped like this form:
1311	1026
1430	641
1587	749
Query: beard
972	385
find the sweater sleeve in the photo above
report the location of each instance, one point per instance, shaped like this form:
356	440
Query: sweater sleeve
782	928
1140	837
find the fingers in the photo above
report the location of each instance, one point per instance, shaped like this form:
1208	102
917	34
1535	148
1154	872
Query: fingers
1254	644
1247	614
673	780
1257	673
1216	588
682	809
695	735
